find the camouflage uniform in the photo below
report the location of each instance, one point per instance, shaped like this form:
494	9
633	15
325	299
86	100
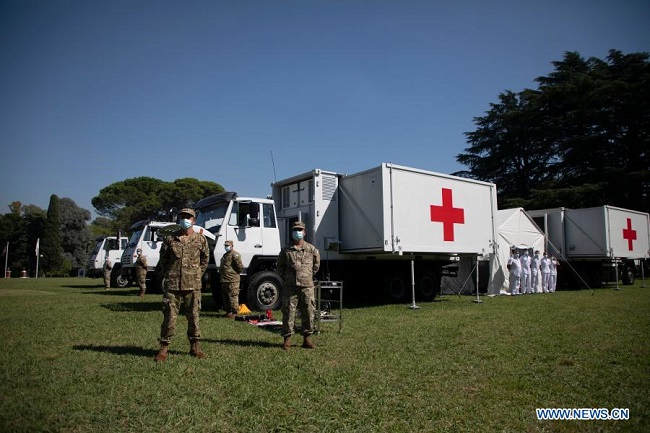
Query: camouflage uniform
141	272
183	260
297	266
229	269
107	268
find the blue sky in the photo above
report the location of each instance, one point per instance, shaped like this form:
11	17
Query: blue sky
96	92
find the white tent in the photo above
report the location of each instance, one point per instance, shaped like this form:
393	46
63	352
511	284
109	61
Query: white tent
514	227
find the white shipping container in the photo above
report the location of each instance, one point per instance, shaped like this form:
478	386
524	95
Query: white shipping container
606	231
393	208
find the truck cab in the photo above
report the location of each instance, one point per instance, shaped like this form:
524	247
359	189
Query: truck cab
145	235
251	224
105	246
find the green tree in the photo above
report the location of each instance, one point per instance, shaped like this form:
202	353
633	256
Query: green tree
142	198
580	139
75	234
52	262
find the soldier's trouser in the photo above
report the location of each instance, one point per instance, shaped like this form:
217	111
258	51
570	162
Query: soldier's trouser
301	298
230	296
172	301
142	280
107	280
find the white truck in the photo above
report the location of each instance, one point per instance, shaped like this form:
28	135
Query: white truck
148	235
599	243
372	228
105	246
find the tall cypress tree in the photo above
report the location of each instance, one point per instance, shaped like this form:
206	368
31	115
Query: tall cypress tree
50	246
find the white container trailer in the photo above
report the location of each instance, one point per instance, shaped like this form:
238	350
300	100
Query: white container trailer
597	242
370	225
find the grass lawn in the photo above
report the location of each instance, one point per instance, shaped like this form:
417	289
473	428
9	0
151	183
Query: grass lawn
78	359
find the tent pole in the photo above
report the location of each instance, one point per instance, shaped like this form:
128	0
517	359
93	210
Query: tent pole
478	299
413	306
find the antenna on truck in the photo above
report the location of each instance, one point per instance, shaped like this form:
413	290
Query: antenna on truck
275	179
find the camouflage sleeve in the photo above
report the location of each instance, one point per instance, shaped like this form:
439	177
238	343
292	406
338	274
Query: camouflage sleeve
238	266
164	254
282	263
205	255
316	260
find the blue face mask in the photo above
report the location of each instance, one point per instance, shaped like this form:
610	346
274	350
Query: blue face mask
185	223
297	235
227	248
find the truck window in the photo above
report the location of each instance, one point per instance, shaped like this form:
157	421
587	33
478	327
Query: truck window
268	215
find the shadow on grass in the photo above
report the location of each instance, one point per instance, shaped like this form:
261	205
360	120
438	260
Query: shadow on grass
133	306
241	343
118	350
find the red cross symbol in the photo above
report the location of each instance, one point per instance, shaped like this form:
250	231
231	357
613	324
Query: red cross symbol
629	234
447	214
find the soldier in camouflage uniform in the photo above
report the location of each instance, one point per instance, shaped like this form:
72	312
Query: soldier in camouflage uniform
229	270
107	268
184	258
141	272
297	265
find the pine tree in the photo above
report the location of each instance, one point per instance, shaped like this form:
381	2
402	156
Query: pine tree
50	246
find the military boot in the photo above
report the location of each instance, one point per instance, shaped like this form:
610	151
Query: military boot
161	356
141	294
195	350
307	343
287	343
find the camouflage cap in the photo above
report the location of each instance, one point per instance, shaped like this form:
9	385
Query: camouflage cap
298	225
187	211
228	243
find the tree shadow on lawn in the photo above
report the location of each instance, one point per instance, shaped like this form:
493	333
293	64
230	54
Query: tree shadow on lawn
118	350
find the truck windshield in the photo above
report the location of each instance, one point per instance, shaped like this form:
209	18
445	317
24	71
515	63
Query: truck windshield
211	217
98	247
134	238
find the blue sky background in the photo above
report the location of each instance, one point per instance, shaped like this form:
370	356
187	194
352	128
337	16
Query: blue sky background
96	92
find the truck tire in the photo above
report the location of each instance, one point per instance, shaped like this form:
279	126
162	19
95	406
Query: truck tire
395	288
216	296
628	275
428	287
118	278
264	291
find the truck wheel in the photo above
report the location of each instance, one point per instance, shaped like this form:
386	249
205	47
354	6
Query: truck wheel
428	287
264	291
395	288
122	281
628	275
216	295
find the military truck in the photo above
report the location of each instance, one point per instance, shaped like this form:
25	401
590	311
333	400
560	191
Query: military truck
106	246
595	245
386	231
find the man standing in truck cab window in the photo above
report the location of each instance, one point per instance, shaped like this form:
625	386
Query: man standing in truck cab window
141	272
297	265
184	257
229	269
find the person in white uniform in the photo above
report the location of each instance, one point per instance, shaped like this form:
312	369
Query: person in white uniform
514	269
525	272
534	272
545	269
552	280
